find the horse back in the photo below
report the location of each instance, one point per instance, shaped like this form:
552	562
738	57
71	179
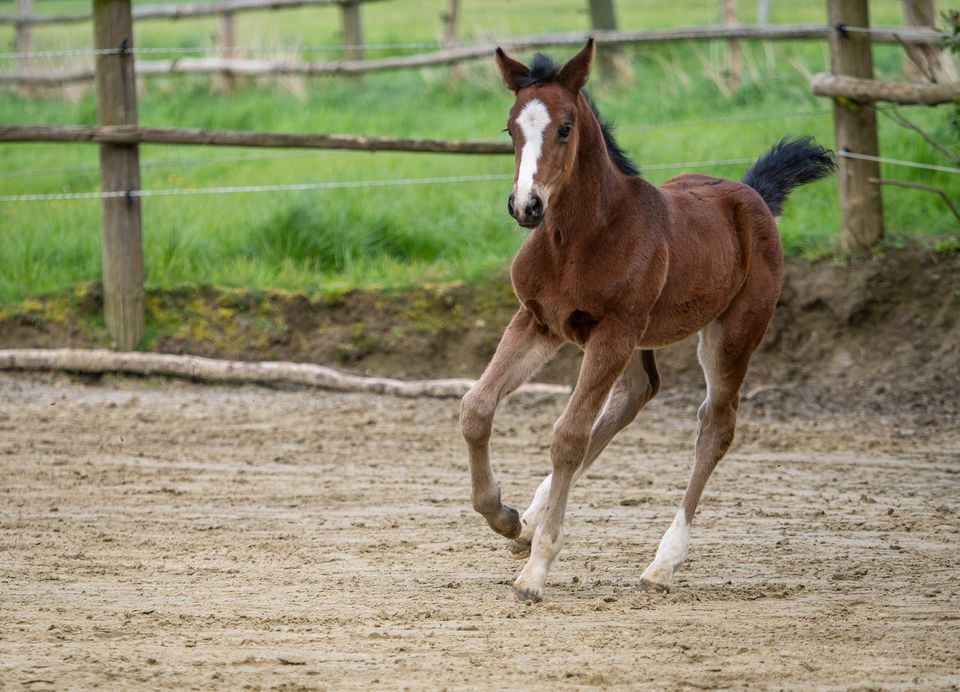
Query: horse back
718	231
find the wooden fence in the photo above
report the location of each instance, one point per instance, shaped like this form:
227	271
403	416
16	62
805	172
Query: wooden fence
118	134
229	65
24	20
854	92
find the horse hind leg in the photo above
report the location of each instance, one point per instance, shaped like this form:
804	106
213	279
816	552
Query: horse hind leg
638	384
726	345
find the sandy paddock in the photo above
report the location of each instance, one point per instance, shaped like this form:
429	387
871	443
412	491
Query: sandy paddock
178	535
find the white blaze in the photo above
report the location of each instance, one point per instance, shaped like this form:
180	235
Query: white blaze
533	120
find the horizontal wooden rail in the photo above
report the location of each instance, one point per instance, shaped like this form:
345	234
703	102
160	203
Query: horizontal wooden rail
237	66
208	65
174	12
239	138
766	32
870	90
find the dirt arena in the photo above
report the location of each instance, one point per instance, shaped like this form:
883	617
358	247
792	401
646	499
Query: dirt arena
168	534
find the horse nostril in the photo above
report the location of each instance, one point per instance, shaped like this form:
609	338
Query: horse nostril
510	209
534	207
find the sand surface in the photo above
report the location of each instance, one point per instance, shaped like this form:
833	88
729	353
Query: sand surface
167	534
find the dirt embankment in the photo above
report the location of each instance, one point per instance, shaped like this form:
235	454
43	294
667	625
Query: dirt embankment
881	335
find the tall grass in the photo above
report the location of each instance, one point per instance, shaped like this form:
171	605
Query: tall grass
671	111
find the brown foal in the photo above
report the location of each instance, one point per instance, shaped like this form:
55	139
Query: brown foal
621	267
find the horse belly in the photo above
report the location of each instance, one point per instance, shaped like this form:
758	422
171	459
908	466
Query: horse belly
691	302
670	324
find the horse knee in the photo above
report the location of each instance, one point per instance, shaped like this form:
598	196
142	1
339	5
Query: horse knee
568	446
476	417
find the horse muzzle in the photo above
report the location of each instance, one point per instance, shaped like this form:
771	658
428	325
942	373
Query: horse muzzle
530	215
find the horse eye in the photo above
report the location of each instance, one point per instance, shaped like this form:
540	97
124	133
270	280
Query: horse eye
565	130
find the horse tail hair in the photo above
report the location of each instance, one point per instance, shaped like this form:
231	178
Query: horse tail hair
788	164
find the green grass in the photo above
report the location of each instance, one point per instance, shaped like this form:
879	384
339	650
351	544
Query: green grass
397	236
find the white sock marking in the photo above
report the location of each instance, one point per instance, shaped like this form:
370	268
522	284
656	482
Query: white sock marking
675	542
531	518
533	120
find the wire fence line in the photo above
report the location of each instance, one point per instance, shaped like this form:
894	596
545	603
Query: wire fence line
234	189
699	122
403	182
898	162
174	163
326	185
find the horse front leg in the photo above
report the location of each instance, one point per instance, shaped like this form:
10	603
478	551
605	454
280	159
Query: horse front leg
524	347
638	384
607	353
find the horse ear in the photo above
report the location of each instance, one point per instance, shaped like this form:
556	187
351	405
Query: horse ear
512	71
574	74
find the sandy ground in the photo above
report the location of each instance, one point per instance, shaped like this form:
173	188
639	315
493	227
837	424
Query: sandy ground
173	535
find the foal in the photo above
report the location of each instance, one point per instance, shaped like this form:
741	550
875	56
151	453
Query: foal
621	267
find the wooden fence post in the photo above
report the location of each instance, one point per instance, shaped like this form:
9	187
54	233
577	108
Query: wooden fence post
352	31
116	88
603	18
450	19
855	128
925	63
226	40
352	34
763	12
734	63
21	41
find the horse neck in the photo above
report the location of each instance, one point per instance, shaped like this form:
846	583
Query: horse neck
595	185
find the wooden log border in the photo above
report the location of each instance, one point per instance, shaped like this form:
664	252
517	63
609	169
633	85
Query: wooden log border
101	361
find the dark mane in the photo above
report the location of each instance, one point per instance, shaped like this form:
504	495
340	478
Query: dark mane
621	159
544	70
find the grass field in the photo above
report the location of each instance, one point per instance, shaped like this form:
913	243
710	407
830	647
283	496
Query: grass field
672	112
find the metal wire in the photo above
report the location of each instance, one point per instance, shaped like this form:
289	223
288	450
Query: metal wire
67	53
329	185
225	190
698	164
898	162
719	121
177	162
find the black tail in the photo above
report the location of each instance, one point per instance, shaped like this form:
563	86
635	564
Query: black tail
788	164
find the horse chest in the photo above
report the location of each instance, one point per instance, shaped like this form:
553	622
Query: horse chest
559	300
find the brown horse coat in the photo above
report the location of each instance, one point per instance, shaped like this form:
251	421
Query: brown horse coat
620	267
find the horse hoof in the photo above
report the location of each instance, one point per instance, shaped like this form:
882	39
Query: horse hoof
519	549
653	586
506	522
525	595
